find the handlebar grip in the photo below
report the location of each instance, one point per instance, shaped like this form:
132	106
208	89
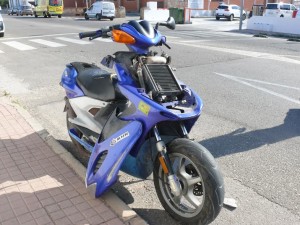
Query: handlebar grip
88	34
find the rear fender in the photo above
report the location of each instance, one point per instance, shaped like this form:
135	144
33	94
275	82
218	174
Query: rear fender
109	155
68	82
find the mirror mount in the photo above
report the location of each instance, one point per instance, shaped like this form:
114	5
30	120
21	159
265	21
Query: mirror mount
170	23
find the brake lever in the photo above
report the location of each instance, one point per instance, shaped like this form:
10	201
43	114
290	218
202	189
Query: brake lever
168	46
94	37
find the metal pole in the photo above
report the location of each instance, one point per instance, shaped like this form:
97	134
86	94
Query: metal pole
241	14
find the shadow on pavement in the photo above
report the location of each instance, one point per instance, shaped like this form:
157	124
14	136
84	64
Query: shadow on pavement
241	140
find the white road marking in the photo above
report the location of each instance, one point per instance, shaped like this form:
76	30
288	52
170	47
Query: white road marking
1	51
273	84
103	39
80	42
18	45
172	37
239	80
47	43
38	36
253	54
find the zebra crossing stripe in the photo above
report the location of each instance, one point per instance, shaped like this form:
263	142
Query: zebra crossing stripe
47	43
18	45
80	42
1	51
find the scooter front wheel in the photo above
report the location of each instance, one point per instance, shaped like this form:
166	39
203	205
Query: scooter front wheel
201	183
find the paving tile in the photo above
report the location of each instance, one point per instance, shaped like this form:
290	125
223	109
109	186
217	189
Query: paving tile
75	218
70	210
60	197
13	221
25	218
95	220
77	200
52	208
6	215
47	201
43	220
115	221
57	215
108	215
83	206
20	210
38	213
88	213
64	221
43	195
65	204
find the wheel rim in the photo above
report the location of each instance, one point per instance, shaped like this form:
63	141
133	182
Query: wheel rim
191	199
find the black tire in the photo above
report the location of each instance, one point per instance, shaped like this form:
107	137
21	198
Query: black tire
193	162
217	18
230	18
98	16
59	16
86	17
1	34
244	16
79	152
111	19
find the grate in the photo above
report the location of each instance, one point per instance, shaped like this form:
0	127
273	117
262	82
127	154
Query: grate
160	79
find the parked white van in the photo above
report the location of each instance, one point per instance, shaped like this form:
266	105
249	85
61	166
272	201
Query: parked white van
101	9
280	10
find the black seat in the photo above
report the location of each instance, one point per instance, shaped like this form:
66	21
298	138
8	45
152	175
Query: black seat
94	82
143	27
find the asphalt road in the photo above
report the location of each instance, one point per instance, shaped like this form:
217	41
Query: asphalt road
250	120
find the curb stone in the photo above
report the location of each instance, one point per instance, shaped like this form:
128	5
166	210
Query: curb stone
123	211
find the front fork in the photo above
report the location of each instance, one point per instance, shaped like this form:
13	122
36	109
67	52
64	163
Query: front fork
166	162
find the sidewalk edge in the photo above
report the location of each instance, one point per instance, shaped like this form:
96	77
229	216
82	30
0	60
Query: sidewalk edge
124	212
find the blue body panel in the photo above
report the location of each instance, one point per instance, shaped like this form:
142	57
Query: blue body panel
68	82
117	146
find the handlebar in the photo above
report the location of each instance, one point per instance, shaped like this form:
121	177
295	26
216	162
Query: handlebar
104	33
87	34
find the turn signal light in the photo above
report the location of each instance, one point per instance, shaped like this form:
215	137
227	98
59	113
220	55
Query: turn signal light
122	37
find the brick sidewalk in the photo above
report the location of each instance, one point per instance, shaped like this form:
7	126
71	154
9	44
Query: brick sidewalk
36	186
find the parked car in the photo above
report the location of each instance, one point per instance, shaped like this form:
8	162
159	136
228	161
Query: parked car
25	10
101	10
12	11
279	10
229	12
2	27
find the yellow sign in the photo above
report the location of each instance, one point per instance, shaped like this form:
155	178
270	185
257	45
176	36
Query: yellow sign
144	108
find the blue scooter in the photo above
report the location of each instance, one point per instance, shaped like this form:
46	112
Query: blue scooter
138	120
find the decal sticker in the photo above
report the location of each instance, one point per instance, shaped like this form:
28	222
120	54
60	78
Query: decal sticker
144	108
120	138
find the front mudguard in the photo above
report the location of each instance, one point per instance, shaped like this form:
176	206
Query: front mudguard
111	153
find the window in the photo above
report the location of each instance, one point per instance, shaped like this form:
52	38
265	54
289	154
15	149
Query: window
223	7
285	7
272	6
55	2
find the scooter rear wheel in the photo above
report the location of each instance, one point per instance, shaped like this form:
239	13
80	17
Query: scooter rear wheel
79	152
202	186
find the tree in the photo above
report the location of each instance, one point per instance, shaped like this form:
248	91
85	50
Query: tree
3	3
